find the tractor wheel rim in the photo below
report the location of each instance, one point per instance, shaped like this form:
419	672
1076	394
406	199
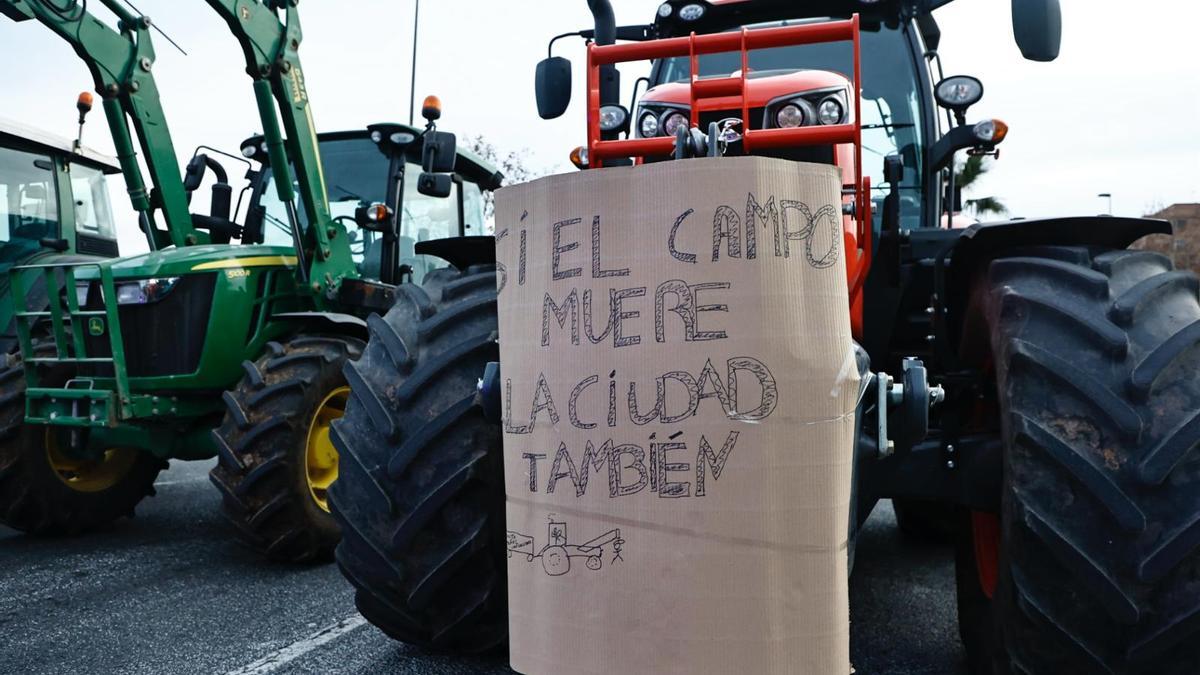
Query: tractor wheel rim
320	457
92	474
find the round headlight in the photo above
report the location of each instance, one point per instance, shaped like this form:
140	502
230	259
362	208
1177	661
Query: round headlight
691	12
789	116
376	136
673	122
612	117
664	10
248	151
648	125
830	111
958	92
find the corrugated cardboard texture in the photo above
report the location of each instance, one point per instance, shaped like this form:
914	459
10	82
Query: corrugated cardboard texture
679	396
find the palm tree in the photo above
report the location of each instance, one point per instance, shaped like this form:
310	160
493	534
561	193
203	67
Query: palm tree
968	173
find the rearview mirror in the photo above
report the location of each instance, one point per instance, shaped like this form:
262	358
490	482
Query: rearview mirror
440	152
435	185
1037	28
553	87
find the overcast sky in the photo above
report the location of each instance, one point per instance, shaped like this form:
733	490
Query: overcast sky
1118	112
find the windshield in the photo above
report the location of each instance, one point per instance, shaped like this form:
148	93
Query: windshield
891	107
429	218
93	212
356	174
28	204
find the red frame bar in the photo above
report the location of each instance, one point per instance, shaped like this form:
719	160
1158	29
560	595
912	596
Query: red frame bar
730	92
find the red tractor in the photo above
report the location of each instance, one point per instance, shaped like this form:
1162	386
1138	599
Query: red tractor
1065	439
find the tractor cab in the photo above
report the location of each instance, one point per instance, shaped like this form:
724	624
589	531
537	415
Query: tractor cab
53	197
381	165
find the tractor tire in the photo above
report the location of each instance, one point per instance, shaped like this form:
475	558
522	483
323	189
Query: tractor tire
1091	565
275	462
43	491
421	498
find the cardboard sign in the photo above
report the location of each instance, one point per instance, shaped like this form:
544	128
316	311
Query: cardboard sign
679	392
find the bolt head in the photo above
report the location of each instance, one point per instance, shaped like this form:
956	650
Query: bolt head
949	464
950	449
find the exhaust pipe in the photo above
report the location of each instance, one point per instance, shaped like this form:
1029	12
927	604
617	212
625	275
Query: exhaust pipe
606	34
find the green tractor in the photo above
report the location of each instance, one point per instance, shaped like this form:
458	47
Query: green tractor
55	202
1044	393
203	348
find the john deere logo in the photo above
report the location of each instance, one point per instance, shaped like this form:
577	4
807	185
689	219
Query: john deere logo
96	326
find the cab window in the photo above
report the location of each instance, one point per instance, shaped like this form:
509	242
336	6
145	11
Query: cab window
93	211
28	203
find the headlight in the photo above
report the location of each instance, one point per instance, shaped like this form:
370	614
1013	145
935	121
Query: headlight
648	126
664	10
144	291
81	292
673	122
612	117
958	92
691	12
377	136
790	116
830	111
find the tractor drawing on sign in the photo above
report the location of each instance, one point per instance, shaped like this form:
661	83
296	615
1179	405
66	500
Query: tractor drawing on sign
557	553
1032	383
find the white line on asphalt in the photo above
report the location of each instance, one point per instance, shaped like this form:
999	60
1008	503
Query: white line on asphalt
281	657
181	482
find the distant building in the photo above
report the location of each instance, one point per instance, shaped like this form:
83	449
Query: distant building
1184	247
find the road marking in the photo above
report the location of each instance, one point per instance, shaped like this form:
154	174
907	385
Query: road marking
281	657
182	481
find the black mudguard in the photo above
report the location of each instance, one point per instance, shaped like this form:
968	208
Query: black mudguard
970	253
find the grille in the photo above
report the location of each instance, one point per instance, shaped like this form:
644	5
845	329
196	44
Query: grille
819	154
164	337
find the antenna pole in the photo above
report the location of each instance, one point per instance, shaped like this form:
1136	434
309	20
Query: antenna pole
412	91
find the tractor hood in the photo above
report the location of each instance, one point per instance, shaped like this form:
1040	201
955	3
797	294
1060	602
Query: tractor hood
195	259
762	86
767	90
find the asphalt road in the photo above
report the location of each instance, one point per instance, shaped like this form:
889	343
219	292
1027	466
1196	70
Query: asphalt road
171	592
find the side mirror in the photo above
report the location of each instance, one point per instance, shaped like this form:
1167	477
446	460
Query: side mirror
193	174
440	152
435	185
553	87
1037	28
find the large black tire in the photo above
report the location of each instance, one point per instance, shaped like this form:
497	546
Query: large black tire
262	468
38	498
1097	359
421	495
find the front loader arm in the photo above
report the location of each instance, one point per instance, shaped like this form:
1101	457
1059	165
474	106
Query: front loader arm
120	64
271	48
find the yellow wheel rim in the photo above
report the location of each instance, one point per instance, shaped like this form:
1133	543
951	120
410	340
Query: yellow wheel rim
320	457
88	475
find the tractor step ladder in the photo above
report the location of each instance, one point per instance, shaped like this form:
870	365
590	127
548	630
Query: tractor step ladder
68	323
